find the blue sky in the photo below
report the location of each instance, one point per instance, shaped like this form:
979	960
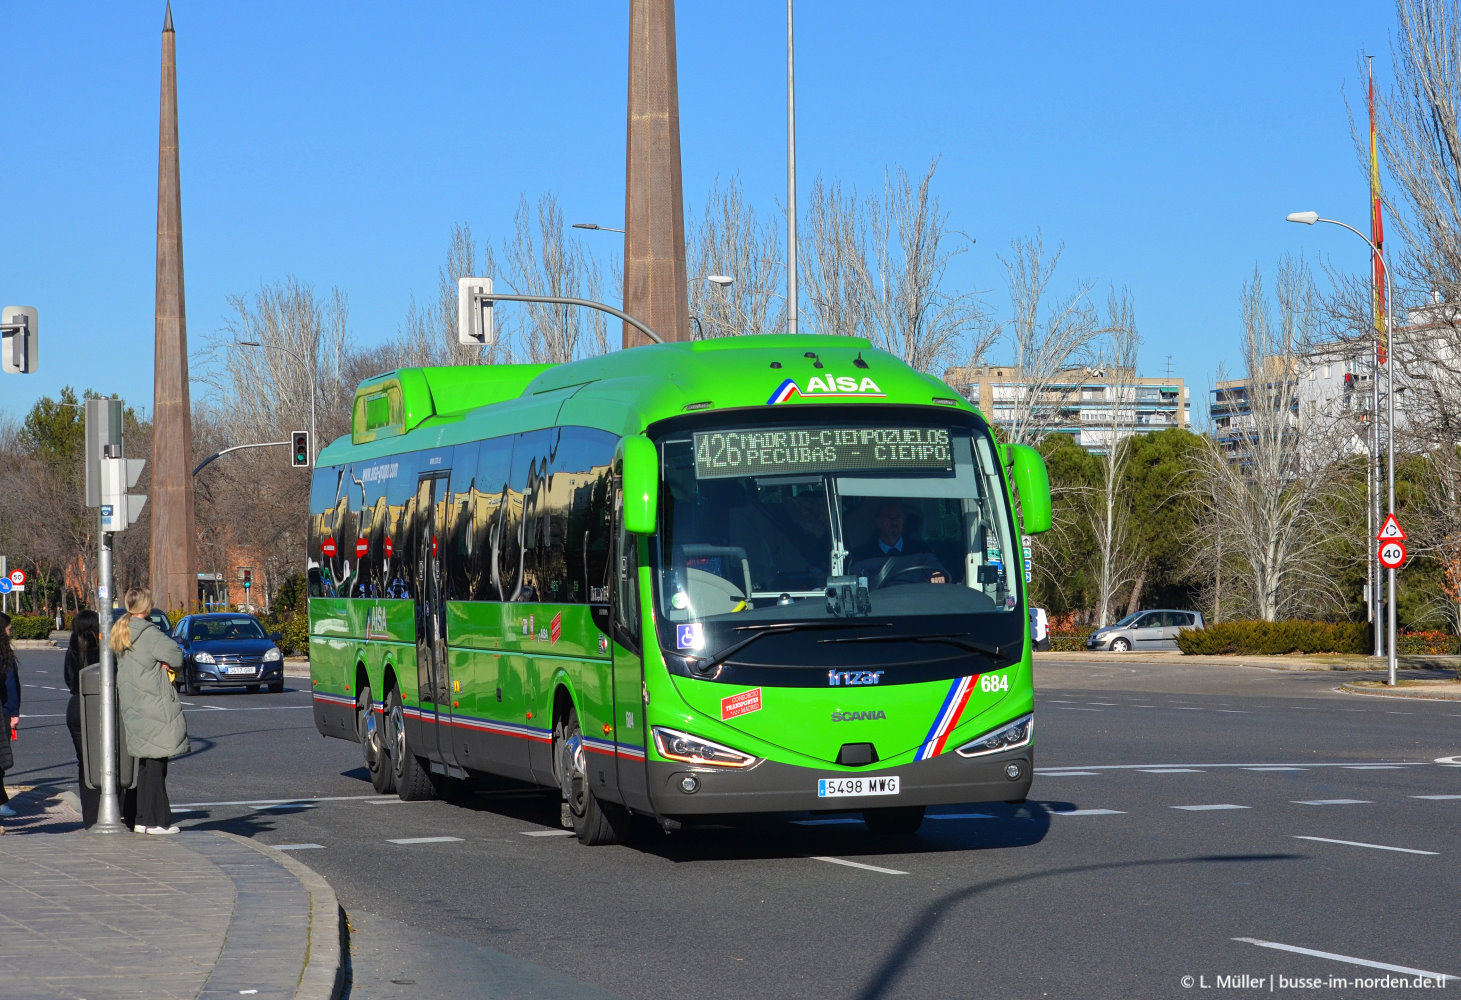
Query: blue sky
339	142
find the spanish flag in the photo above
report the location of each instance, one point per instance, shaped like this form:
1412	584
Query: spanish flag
1377	237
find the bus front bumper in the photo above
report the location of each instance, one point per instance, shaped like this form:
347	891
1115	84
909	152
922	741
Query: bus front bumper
772	787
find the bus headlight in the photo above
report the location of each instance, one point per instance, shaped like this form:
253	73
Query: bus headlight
1009	736
675	745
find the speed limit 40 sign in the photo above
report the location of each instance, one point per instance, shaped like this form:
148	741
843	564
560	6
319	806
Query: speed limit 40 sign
1392	554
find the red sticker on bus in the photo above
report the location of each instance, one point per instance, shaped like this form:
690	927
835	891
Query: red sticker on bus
740	704
362	546
555	628
327	548
433	545
389	550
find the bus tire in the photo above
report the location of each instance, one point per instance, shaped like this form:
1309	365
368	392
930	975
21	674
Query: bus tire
368	732
897	821
413	781
594	822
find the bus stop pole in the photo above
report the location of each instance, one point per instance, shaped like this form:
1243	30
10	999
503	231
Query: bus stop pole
109	809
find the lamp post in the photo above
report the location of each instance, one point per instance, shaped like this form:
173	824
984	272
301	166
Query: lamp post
595	225
314	377
1308	219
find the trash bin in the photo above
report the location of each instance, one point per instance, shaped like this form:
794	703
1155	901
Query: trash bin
91	745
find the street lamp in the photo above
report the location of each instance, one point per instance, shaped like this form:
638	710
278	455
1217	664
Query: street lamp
1308	219
314	377
595	225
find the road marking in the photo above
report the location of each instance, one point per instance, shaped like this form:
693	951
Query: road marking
1066	774
1191	708
1346	958
960	816
858	864
1356	843
387	802
1076	708
1218	805
1393	712
1436	796
547	833
1373	767
1232	711
1085	812
1170	770
1331	802
425	840
1107	704
296	847
1275	768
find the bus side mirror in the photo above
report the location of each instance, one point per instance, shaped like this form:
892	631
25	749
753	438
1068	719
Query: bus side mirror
641	485
1033	484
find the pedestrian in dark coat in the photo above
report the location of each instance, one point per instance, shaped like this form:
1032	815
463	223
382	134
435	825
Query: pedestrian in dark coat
83	650
9	709
151	712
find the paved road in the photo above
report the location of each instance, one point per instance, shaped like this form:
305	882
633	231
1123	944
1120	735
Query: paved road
1187	821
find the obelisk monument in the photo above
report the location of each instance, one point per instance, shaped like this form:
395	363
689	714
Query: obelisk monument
174	580
654	208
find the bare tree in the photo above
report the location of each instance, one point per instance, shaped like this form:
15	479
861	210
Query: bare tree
834	265
1267	491
429	335
1110	502
542	262
731	240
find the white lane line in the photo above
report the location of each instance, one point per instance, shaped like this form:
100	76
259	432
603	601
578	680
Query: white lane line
288	805
424	840
1275	768
1216	805
1356	843
1373	767
297	847
1170	770
1055	701
1347	958
1066	774
386	802
272	802
547	833
858	864
1085	812
1331	802
1392	712
1076	708
1436	796
1107	704
1186	708
960	816
1232	711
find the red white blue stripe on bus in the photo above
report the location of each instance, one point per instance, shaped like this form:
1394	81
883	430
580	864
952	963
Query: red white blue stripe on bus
948	717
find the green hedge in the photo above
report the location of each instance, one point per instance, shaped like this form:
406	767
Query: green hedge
293	626
1259	638
31	626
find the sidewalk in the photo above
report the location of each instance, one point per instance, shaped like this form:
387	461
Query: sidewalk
200	914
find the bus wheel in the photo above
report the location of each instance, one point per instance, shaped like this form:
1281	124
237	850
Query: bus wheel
413	782
594	822
368	732
901	821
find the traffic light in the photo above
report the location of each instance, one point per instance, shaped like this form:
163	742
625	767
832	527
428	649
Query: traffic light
18	339
248	578
300	456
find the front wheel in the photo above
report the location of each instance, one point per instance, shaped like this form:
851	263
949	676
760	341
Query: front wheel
1120	646
413	781
368	732
190	680
276	687
899	821
593	821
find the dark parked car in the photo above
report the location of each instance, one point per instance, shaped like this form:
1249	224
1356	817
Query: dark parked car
1144	630
155	616
227	649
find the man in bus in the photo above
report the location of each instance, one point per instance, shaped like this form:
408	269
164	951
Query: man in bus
882	557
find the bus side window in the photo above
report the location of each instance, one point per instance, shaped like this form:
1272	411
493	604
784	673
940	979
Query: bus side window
626	577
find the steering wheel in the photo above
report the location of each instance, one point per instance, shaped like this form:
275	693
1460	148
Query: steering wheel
898	567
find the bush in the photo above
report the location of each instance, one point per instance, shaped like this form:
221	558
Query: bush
1068	642
1259	638
1427	644
293	627
31	626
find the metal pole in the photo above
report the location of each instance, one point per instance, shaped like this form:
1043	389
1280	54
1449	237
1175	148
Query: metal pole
1390	450
790	180
1372	485
109	809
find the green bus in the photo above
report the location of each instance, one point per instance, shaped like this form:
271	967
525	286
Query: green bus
680	581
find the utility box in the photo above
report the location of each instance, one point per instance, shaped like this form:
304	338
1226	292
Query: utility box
91	745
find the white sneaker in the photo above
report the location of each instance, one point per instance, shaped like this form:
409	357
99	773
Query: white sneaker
163	831
139	828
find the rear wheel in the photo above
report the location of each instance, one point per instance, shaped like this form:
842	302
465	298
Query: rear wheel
368	732
1119	645
413	780
593	821
900	821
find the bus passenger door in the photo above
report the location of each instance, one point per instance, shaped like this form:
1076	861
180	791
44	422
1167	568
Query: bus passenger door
433	676
630	729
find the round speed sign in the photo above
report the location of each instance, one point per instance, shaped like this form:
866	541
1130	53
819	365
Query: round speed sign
1392	555
17	577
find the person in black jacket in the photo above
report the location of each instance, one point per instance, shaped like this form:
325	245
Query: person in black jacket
884	556
9	709
83	651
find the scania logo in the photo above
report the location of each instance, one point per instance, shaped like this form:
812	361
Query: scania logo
857	716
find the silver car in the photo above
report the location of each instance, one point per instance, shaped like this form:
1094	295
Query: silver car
1144	630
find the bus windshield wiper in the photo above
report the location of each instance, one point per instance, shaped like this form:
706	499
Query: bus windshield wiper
961	639
705	664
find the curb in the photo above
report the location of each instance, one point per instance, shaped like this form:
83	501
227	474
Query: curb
323	977
1428	694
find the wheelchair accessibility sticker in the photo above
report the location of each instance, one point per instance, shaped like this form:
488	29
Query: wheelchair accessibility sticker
688	636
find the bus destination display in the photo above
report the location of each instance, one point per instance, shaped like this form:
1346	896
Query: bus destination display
720	454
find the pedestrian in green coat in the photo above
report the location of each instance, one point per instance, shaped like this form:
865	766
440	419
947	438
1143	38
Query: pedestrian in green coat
151	713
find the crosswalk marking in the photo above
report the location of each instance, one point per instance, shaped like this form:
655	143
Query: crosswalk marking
1331	802
424	840
547	833
297	847
1086	812
1215	805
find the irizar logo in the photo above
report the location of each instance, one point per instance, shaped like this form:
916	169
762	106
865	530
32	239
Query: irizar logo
826	385
853	678
858	716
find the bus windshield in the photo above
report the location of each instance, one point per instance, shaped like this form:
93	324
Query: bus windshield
820	522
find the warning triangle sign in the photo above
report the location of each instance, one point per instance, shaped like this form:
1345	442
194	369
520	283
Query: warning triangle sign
1391	531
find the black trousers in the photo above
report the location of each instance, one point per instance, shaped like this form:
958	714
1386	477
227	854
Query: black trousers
90	797
153	808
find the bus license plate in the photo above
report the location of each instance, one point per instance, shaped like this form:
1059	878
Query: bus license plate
832	788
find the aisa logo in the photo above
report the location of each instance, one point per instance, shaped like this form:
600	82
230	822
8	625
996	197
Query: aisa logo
825	385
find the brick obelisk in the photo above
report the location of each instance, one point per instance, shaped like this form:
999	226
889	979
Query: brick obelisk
174	580
654	209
